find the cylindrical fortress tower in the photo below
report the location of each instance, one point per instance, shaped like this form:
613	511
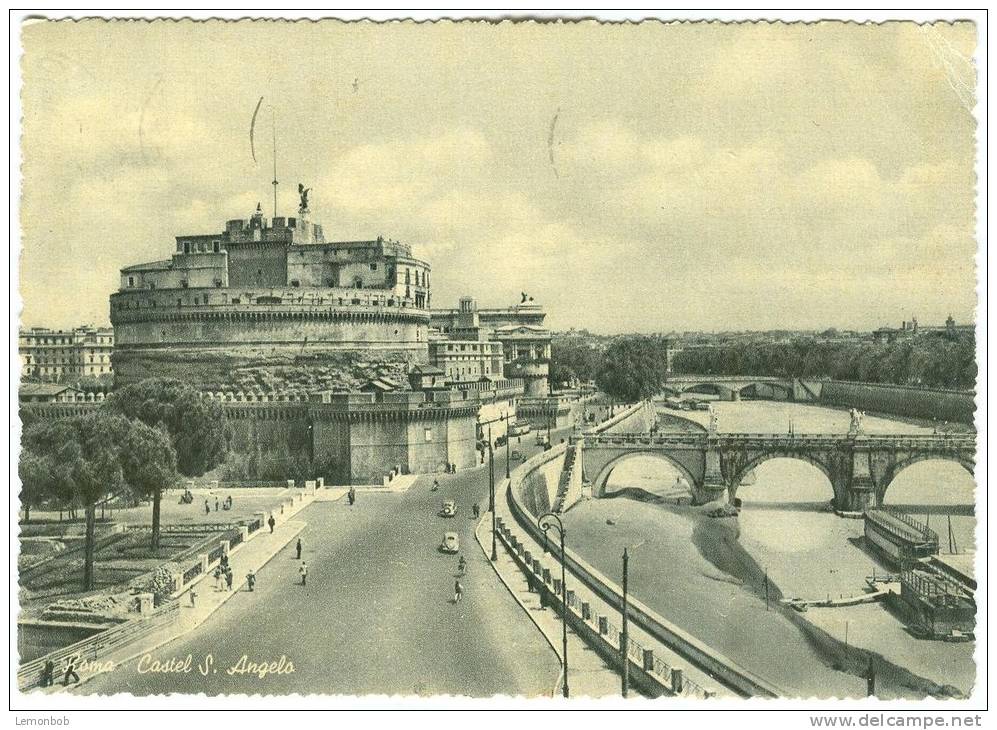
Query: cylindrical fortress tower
267	305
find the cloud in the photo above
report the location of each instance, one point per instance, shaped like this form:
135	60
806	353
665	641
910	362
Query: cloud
706	177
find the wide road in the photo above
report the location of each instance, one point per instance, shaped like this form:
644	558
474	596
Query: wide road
376	616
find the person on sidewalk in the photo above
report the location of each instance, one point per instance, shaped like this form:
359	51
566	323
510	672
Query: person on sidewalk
303	570
297	549
207	508
70	672
48	674
228	579
461	565
458	591
193	598
271	522
476	510
218	578
251	580
216	504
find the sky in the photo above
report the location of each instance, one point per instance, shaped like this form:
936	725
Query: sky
631	178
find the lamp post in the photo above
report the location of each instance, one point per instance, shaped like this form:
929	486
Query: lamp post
545	522
625	634
491	489
508	445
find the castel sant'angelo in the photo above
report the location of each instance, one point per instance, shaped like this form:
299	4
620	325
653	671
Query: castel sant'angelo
270	304
327	355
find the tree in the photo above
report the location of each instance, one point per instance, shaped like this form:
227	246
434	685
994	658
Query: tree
84	452
195	427
37	475
149	466
634	368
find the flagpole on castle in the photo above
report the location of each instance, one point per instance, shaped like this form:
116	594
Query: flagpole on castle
274	126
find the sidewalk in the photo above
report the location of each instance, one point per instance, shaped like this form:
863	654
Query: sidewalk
599	607
588	674
253	554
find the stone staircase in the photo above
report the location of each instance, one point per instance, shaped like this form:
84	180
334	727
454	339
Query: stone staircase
570	483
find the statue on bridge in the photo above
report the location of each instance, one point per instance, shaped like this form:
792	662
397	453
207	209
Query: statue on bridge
714	418
855	427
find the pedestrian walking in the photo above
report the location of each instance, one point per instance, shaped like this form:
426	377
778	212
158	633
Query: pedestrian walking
458	591
461	565
228	579
70	672
218	578
436	485
297	549
216	504
193	598
303	571
207	508
271	522
251	580
476	510
48	674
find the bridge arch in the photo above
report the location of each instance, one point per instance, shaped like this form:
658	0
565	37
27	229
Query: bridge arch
895	471
602	478
734	480
721	390
784	388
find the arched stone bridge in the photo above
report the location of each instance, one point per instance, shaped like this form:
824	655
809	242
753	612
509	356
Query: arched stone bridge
859	467
731	387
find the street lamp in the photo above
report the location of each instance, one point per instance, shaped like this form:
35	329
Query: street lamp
508	445
625	634
545	522
491	489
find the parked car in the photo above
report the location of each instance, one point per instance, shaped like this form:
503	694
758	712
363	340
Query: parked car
451	543
449	509
519	428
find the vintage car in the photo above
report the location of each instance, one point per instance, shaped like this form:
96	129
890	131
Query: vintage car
449	509
451	543
519	428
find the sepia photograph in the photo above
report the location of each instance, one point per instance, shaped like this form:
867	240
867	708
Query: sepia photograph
495	362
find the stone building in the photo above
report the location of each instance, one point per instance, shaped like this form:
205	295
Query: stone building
56	355
525	342
271	296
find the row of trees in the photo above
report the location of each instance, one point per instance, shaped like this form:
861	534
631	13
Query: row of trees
632	368
141	441
931	360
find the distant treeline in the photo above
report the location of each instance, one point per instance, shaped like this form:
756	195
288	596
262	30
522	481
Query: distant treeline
929	360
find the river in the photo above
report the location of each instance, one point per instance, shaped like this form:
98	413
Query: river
787	532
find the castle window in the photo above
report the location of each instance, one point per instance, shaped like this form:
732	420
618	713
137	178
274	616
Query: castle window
131	281
183	283
218	283
373	267
295	283
215	246
429	434
200	247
